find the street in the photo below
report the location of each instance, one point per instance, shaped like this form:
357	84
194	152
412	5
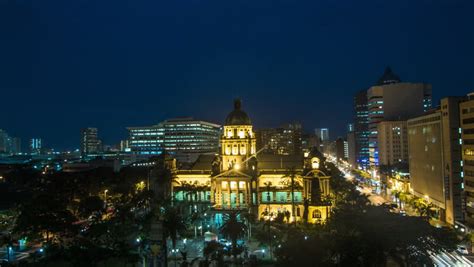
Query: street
444	259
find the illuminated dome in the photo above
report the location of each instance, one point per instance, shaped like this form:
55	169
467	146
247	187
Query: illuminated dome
237	116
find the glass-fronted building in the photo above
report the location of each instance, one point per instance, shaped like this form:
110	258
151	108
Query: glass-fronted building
182	136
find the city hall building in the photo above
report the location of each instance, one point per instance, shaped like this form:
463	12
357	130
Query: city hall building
238	178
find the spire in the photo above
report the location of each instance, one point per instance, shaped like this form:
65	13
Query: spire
388	77
237	104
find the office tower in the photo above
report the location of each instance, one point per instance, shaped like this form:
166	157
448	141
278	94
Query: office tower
90	142
286	140
124	146
351	149
346	149
391	100
35	145
9	145
15	145
186	138
322	133
308	142
393	143
435	159
340	149
350	127
467	133
180	137
361	129
146	140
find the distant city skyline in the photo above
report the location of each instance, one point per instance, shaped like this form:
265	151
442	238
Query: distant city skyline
111	65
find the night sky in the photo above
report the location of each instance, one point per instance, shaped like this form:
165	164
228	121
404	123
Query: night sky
65	65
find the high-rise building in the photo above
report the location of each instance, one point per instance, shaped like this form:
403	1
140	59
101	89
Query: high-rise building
390	100
286	140
146	140
351	149
90	142
308	142
361	129
4	142
467	133
9	145
393	142
322	133
180	137
340	149
435	159
350	127
16	145
35	145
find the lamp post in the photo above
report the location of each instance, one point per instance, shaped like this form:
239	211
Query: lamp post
105	198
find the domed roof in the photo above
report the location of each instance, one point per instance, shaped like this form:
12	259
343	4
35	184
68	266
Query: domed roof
315	153
237	116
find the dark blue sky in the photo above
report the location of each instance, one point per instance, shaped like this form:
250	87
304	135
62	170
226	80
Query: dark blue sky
111	64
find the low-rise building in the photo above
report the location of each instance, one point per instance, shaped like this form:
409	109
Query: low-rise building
266	185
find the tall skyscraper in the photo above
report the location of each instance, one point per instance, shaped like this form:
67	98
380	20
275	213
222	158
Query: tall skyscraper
351	149
35	145
340	148
391	100
350	127
90	142
361	129
180	137
322	133
435	159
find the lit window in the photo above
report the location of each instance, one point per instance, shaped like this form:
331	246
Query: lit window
224	185
241	134
233	185
316	214
241	184
235	150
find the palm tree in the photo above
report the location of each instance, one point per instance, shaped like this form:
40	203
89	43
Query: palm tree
233	229
269	188
292	185
173	225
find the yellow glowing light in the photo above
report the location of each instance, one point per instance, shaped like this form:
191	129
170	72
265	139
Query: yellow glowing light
140	186
237	166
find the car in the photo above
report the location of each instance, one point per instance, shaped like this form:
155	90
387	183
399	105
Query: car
225	242
462	250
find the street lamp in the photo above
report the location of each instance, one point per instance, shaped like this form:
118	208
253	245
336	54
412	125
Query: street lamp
105	198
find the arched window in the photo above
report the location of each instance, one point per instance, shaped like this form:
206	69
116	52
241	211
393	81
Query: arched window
316	214
242	150
235	150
